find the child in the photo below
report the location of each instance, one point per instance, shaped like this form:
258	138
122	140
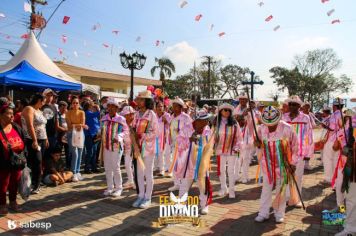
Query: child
54	169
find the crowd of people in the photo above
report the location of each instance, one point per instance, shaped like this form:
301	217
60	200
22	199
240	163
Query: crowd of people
178	141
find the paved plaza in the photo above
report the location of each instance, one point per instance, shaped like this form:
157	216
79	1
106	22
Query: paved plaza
80	209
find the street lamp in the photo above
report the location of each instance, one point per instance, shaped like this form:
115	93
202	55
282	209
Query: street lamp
133	62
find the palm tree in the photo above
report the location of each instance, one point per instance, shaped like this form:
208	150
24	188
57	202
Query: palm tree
165	67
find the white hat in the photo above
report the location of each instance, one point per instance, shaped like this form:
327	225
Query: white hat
242	96
127	110
202	114
113	101
226	106
294	99
178	101
326	108
47	91
144	94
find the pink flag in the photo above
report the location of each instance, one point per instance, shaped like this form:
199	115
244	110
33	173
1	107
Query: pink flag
65	19
324	1
221	34
60	51
335	21
115	32
269	18
157	43
24	36
105	45
64	38
198	17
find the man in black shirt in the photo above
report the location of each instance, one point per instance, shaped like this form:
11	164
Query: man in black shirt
50	112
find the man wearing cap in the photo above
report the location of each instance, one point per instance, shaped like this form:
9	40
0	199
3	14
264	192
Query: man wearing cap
50	112
241	112
303	128
194	160
278	145
180	131
128	112
145	125
349	180
113	130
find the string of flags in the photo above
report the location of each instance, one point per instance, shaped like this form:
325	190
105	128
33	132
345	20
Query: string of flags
65	19
330	13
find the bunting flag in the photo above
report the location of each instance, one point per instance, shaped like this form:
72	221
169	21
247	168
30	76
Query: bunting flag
324	1
65	19
183	4
336	21
329	13
64	38
221	34
138	39
115	32
211	27
261	4
24	36
276	28
198	17
269	18
27	7
157	43
105	45
60	51
75	53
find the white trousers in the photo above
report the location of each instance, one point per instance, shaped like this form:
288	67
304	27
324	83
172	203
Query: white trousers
329	160
128	167
167	157
184	188
246	155
299	172
230	161
340	196
350	222
146	175
112	169
266	199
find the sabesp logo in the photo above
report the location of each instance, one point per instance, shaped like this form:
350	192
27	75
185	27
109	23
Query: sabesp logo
11	224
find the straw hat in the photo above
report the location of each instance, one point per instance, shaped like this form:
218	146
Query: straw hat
144	94
294	99
226	106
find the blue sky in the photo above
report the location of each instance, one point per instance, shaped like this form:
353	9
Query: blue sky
249	40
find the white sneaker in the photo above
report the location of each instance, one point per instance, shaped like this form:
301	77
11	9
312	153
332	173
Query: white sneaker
116	193
137	203
279	220
173	188
107	192
75	178
146	203
222	192
232	194
260	219
205	210
244	181
80	177
345	233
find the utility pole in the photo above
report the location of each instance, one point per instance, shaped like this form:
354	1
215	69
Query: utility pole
209	62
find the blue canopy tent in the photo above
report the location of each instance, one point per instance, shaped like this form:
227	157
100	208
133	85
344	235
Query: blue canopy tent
26	76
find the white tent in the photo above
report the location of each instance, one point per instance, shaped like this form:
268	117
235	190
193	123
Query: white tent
32	52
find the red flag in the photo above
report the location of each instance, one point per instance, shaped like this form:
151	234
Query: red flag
24	36
221	34
335	21
105	45
65	19
115	32
324	1
198	17
269	18
157	43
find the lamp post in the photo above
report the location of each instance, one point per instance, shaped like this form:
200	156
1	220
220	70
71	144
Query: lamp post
133	62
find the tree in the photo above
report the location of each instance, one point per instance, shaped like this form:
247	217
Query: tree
165	67
231	77
182	86
312	78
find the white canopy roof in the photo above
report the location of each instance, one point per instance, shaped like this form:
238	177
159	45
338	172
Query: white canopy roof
32	52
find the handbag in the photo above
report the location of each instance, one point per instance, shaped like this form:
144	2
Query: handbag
17	160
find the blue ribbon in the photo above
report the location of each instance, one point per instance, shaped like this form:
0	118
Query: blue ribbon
200	153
